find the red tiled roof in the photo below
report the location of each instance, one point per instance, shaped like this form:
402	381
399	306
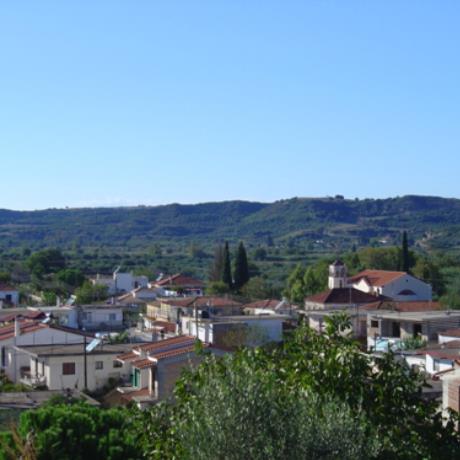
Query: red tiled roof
269	304
403	306
203	301
451	333
6	318
167	343
6	287
7	332
128	356
179	280
176	352
167	326
342	296
377	277
143	363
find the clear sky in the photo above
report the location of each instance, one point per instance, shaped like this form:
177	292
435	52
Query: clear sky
151	102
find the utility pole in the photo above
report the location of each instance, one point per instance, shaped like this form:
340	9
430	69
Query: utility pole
85	362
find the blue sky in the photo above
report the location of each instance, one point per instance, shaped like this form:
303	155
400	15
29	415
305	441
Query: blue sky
151	102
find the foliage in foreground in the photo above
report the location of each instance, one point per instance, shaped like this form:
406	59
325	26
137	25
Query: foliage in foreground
314	397
73	431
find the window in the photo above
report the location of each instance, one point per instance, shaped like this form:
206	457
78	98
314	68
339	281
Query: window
99	365
374	323
68	368
117	363
112	316
3	356
87	316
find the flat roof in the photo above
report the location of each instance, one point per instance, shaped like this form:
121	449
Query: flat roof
416	316
238	318
73	349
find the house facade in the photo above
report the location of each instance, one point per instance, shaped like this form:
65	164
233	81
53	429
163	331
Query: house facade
398	286
172	310
58	367
120	283
394	326
235	331
156	367
178	285
25	333
9	296
96	317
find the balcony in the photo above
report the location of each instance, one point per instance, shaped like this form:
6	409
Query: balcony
31	380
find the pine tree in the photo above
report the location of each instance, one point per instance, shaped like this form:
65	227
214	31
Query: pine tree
241	274
227	269
405	257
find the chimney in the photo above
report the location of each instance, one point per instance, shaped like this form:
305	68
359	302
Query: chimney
17	328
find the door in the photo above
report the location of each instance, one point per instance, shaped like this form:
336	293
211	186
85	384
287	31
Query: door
136	379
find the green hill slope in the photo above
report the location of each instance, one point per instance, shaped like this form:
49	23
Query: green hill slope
433	222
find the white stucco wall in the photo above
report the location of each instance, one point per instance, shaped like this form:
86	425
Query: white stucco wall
14	295
97	378
40	337
444	364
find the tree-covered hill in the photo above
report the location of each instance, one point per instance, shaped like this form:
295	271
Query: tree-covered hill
432	222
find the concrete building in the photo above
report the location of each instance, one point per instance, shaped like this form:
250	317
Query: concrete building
399	286
172	310
95	317
9	296
23	333
156	367
58	367
271	307
120	283
393	326
235	331
178	285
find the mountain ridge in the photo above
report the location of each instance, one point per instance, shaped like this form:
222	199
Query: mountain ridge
336	220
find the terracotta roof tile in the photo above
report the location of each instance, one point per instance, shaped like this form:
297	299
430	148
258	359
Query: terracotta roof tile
128	356
143	363
377	277
202	301
173	342
269	304
176	352
342	296
451	333
179	280
403	306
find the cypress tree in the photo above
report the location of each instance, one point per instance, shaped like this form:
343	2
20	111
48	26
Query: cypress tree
217	267
405	257
227	269
241	274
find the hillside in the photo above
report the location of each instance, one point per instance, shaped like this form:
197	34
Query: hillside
335	223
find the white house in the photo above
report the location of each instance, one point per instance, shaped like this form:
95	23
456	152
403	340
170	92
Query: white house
120	282
449	336
271	307
235	331
399	286
156	367
59	367
97	317
30	333
9	296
